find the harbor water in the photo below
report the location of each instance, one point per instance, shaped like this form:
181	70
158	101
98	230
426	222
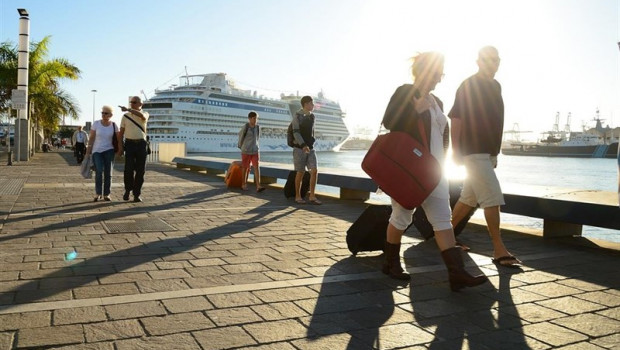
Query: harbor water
569	173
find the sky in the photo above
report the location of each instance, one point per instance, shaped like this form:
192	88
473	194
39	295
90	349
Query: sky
557	55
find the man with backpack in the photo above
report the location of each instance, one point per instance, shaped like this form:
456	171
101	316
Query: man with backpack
248	143
303	153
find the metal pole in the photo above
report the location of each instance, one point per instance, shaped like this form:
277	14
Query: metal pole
22	84
8	138
94	92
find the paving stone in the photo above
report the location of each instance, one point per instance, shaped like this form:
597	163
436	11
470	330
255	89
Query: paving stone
6	340
79	315
165	285
613	313
608	342
180	305
278	311
552	334
42	295
570	305
168	274
581	346
183	341
25	320
331	342
9	276
67	282
176	323
603	298
89	346
583	285
394	336
46	336
591	324
551	290
247	278
533	313
272	346
245	268
285	294
233	316
272	331
112	330
287	274
508	338
105	291
134	310
233	299
223	338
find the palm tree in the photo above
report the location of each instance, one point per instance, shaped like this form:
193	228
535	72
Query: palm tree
50	102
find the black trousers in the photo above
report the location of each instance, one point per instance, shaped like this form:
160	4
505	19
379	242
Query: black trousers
135	166
80	150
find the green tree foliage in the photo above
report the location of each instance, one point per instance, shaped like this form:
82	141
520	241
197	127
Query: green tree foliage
65	133
50	102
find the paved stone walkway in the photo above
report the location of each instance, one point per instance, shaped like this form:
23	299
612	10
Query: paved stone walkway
202	267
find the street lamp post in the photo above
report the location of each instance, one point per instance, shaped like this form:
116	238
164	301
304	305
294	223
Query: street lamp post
94	92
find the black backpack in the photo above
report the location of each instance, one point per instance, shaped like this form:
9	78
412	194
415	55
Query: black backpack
290	139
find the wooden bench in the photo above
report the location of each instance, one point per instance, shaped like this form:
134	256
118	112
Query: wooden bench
351	187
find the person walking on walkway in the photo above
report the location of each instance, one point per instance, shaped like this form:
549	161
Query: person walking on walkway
304	155
101	146
248	143
79	141
410	104
133	129
477	125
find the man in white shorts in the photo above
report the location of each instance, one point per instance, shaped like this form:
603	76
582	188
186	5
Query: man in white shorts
477	126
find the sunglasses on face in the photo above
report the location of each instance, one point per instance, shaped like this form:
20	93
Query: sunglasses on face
106	113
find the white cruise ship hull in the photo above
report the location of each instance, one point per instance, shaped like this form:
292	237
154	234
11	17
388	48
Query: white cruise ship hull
207	116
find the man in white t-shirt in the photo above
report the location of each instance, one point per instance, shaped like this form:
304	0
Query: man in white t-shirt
79	140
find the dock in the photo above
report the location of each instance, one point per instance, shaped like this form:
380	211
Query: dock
200	266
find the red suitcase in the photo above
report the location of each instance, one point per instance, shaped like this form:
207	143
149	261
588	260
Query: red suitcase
403	167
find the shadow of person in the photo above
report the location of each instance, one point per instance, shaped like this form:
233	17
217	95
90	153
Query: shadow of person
481	317
356	307
91	270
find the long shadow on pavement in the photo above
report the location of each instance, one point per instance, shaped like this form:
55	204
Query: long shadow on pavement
127	258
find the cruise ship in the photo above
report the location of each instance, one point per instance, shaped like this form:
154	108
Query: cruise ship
206	111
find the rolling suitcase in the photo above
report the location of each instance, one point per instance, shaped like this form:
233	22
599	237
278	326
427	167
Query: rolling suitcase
420	221
234	175
289	186
368	232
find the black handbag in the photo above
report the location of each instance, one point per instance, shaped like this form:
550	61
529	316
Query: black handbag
114	138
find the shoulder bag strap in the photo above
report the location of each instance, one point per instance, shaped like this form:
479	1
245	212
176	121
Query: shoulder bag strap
133	121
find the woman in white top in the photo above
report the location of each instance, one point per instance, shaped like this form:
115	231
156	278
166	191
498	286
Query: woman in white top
410	104
102	149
